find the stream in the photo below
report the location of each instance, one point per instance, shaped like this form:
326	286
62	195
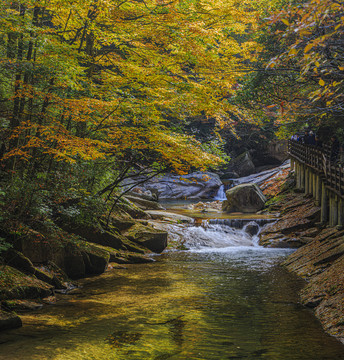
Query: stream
224	298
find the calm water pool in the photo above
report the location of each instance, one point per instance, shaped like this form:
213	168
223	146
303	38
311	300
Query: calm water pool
231	303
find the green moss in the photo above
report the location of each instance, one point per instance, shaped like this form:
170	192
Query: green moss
275	200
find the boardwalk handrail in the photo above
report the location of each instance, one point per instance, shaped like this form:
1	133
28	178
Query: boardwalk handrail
318	160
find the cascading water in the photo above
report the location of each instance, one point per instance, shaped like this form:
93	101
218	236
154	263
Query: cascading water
216	236
222	234
221	194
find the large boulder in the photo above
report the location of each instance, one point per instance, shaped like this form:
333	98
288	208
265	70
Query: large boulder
197	185
75	257
20	262
246	198
14	284
241	165
152	239
9	320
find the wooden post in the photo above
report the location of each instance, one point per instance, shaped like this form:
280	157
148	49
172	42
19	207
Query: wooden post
318	183
330	210
333	210
324	204
307	182
297	175
340	212
310	179
314	184
302	177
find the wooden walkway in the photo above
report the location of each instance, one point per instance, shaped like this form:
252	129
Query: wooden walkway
317	160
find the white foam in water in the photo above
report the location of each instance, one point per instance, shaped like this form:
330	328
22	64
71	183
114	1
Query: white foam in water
215	237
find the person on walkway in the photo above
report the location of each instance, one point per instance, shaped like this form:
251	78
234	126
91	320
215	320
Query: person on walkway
335	148
318	142
305	138
311	138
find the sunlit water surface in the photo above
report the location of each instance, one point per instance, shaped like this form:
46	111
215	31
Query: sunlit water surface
231	303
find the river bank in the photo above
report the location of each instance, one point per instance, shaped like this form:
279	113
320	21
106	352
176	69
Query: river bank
319	260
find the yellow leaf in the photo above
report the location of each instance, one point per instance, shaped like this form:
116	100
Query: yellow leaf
292	52
308	47
321	82
286	22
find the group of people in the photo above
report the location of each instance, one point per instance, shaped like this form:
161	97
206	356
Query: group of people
309	138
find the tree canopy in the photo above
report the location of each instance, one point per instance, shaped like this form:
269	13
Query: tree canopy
102	89
89	80
299	76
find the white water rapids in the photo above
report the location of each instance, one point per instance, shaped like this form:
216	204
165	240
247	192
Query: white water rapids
213	235
216	236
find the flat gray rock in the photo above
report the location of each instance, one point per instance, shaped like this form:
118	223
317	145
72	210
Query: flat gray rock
162	215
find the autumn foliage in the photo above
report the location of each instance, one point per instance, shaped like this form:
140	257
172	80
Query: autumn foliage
92	80
314	37
93	92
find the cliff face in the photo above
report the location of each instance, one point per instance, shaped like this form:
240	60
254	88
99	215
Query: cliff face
319	258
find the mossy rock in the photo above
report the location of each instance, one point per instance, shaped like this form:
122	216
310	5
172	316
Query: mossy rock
96	235
17	260
126	257
144	204
68	252
125	207
9	321
16	285
83	259
152	239
21	305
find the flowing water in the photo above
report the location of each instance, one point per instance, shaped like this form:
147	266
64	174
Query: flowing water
225	298
221	194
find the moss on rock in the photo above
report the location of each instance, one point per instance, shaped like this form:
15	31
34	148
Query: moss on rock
154	240
16	285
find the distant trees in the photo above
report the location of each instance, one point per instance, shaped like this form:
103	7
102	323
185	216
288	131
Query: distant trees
299	78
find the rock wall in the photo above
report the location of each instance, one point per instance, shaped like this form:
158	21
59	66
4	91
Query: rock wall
321	262
278	149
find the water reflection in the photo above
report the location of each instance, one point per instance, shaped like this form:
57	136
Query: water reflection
233	304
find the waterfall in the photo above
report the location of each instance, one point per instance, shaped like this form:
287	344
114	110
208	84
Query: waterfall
221	194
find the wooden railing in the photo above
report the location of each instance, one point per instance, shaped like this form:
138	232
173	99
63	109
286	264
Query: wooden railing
318	159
